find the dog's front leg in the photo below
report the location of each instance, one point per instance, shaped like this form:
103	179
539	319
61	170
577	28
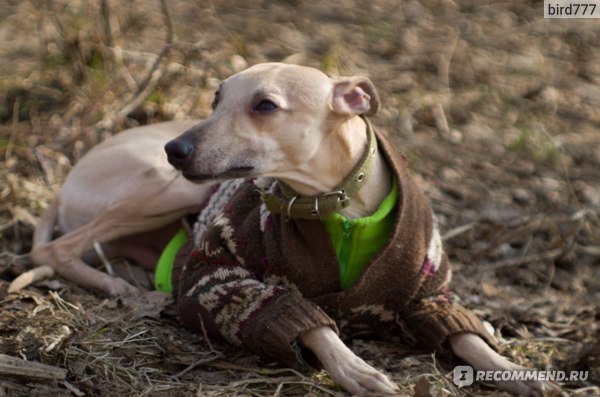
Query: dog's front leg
475	351
345	367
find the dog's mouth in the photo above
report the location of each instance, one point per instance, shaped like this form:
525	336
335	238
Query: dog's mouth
230	173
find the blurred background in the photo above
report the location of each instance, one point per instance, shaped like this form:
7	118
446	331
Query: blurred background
496	108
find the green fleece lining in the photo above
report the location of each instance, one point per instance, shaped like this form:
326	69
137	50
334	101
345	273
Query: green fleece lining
162	276
357	240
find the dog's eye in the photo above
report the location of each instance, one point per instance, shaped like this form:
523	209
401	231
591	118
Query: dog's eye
215	101
265	105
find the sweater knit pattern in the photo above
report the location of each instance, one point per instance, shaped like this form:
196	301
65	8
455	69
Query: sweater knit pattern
259	280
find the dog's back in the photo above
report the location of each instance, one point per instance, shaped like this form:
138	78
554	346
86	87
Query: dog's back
130	161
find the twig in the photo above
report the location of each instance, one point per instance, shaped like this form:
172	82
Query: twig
152	77
305	383
444	64
48	174
168	20
564	168
107	265
258	370
524	259
587	391
118	56
166	49
64	305
262	380
206	337
551	272
73	389
441	123
105	10
15	127
458	230
528	226
141	56
593	250
65	333
7	225
16	366
145	88
197	363
439	115
217	14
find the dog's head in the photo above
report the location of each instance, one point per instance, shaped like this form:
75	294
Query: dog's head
267	120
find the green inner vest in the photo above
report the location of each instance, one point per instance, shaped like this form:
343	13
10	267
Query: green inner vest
357	240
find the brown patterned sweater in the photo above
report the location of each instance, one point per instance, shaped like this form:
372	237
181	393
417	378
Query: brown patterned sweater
259	281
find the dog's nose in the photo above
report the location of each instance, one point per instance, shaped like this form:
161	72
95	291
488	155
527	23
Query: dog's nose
178	151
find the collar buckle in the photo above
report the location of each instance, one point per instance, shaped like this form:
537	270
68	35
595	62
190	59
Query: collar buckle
342	197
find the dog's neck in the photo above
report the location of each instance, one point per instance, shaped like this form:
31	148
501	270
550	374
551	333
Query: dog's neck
338	153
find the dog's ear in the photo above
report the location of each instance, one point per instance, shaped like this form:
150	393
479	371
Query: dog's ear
354	95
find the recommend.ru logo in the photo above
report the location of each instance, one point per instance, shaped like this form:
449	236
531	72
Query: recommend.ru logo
463	376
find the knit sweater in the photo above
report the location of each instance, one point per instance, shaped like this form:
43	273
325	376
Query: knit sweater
259	280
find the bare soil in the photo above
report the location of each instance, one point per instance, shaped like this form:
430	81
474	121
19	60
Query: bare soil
496	108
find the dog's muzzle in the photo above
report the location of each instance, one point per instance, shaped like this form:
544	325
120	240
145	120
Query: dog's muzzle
179	152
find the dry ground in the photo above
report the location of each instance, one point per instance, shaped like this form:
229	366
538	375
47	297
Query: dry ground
496	108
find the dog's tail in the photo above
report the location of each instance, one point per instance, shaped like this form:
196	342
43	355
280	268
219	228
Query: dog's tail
42	235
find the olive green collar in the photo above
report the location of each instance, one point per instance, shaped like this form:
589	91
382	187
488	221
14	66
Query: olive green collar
295	205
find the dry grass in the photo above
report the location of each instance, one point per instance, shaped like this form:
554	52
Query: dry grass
496	108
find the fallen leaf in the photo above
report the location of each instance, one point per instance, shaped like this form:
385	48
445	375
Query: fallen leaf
423	388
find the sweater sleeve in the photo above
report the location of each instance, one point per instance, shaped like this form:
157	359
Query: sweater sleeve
434	314
218	293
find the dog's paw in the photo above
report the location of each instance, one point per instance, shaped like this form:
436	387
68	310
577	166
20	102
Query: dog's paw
529	388
361	379
346	368
481	357
115	287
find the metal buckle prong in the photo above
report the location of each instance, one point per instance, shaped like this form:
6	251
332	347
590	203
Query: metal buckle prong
340	193
315	211
289	207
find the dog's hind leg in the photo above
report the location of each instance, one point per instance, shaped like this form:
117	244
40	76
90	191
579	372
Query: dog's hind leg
45	229
141	210
64	254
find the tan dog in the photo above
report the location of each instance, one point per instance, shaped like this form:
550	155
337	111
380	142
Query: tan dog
270	120
275	120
